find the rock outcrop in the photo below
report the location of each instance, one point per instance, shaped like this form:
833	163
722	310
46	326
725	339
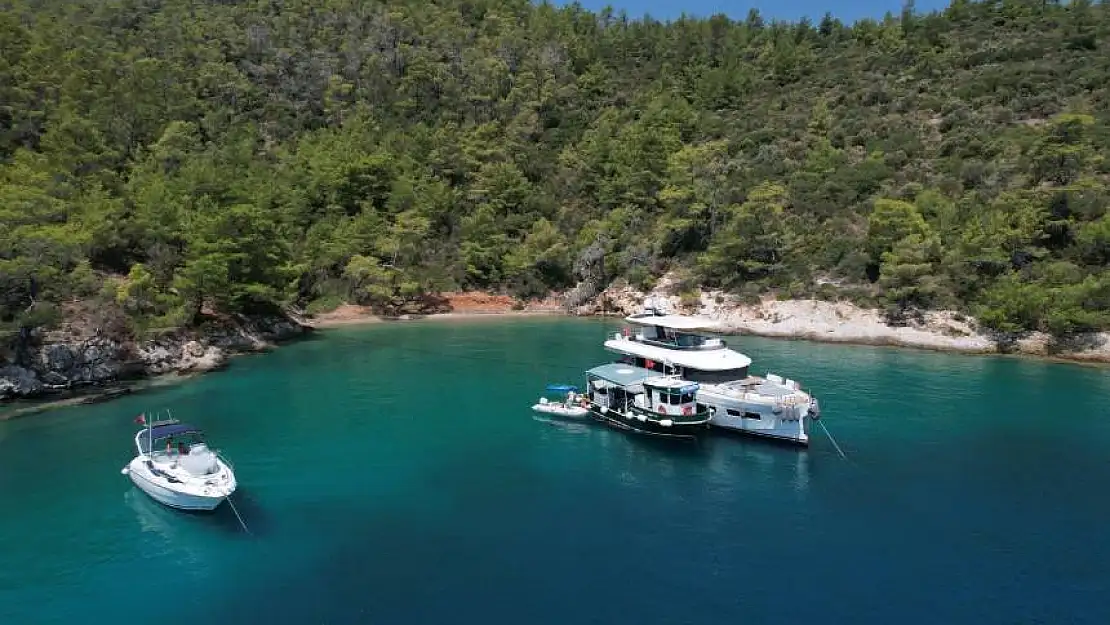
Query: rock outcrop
40	365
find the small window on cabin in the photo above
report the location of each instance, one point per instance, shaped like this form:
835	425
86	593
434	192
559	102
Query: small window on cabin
673	399
733	413
687	398
752	415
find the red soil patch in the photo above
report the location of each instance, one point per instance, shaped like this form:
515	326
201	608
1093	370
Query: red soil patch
476	302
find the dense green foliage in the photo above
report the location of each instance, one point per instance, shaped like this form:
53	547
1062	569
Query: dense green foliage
169	155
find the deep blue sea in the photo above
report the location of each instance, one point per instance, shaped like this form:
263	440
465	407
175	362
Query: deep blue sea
394	474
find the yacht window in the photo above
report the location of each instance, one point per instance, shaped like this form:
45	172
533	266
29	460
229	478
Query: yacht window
733	413
715	377
687	398
752	415
673	399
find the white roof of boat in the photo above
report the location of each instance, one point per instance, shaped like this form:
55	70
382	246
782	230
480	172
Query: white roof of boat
702	360
674	322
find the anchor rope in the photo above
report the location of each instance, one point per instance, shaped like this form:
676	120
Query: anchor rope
237	515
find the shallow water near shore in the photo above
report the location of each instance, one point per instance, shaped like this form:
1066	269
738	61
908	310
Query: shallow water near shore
394	473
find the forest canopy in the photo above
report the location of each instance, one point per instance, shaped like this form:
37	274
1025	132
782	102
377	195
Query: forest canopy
164	156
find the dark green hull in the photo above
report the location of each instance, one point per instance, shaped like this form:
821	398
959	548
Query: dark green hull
690	429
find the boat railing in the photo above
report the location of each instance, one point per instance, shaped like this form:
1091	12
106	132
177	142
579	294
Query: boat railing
223	458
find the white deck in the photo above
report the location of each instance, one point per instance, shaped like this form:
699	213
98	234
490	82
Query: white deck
704	360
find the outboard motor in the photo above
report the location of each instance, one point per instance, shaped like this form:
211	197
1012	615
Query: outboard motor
199	461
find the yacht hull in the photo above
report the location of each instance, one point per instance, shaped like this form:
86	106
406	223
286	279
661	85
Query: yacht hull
151	485
788	424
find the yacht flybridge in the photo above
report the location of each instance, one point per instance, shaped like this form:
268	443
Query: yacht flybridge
681	346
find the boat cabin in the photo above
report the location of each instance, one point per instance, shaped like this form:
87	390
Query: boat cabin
667	396
615	386
664	333
629	389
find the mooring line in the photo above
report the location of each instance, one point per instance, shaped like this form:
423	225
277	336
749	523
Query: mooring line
236	511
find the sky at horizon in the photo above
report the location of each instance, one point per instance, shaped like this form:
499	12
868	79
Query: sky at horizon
788	10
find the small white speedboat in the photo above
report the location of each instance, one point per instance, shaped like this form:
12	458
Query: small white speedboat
571	406
175	467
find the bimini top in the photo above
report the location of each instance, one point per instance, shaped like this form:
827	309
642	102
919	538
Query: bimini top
145	436
673	322
621	374
171	429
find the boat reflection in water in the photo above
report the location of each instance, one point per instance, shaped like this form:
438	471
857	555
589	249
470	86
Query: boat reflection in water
648	461
175	525
757	461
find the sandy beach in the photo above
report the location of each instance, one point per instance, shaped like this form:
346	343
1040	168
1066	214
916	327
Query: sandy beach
461	305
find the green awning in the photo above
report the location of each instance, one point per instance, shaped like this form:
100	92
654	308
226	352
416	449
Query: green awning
621	374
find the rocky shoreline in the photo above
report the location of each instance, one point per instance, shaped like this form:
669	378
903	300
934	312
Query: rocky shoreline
61	365
99	366
843	322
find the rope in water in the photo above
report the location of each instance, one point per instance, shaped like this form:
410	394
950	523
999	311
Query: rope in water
236	511
829	434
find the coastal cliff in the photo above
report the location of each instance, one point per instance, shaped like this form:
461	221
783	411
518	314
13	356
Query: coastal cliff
76	361
844	322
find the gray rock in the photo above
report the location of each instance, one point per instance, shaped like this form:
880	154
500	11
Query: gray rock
18	382
53	378
59	358
99	350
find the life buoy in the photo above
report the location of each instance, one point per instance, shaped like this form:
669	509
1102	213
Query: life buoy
661	409
686	410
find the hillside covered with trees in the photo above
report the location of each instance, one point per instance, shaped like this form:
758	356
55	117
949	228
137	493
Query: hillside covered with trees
158	157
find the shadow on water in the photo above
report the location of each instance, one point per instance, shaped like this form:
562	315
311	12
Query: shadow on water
156	517
694	448
567	425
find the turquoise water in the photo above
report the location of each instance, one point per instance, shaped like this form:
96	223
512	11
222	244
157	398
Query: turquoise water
395	474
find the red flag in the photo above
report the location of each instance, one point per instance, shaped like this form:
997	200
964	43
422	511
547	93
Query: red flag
141	419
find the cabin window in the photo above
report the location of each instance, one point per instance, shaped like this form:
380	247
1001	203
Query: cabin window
733	413
687	398
715	377
752	415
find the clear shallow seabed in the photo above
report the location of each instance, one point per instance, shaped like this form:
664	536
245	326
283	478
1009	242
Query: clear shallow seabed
395	474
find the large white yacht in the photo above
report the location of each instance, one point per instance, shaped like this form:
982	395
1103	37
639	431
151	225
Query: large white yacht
768	406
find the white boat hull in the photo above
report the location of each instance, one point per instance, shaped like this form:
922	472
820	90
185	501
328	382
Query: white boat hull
179	496
785	423
559	410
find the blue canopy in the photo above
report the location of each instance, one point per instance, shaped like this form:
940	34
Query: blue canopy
561	387
172	429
